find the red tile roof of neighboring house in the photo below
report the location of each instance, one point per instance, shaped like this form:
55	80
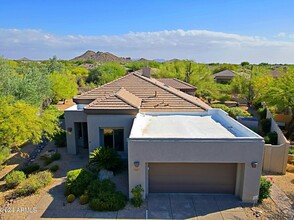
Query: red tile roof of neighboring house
135	91
228	74
275	73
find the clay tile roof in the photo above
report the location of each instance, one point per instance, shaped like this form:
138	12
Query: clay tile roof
128	97
112	101
275	73
134	91
176	83
224	73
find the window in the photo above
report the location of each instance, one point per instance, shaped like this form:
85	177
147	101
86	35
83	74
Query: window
113	138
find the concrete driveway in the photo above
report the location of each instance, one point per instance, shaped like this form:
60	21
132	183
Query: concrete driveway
199	207
168	206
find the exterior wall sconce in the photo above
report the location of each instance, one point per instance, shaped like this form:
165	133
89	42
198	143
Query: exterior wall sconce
254	164
69	129
136	163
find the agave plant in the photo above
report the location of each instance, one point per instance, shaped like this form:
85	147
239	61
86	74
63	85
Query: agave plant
105	158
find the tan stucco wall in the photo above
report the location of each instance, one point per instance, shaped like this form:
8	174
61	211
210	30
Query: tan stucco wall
276	156
210	151
70	118
95	122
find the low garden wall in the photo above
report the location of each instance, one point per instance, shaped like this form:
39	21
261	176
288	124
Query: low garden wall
275	156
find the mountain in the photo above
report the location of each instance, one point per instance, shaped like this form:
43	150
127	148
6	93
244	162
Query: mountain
143	60
24	59
102	57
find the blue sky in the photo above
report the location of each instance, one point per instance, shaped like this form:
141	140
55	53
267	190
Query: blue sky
203	30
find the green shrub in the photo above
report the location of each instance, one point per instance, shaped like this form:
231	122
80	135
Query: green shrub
291	137
224	98
271	138
70	198
253	129
56	156
291	151
4	153
105	158
233	112
221	106
84	199
67	191
108	201
54	168
97	187
137	199
14	178
31	168
33	183
78	180
257	105
261	113
60	139
51	158
266	125
264	189
236	111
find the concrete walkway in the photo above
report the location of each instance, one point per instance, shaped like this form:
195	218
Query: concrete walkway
282	201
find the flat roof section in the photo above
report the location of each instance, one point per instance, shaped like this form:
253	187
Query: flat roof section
215	124
182	126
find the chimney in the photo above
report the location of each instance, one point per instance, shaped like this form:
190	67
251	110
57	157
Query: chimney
146	72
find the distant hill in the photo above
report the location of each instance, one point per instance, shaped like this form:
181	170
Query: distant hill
172	60
24	59
102	57
143	60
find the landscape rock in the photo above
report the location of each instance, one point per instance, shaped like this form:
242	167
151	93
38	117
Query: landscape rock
105	174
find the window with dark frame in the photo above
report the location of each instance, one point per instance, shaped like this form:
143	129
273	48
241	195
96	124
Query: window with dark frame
112	138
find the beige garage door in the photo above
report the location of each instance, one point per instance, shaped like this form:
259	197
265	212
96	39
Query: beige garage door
192	177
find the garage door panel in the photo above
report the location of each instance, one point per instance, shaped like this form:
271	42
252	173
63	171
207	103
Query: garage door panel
192	177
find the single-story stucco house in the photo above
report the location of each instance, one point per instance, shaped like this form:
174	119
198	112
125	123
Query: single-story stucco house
174	142
226	76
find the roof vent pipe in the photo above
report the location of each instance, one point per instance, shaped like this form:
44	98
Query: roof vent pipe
146	72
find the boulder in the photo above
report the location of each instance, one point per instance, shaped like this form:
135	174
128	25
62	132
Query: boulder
105	174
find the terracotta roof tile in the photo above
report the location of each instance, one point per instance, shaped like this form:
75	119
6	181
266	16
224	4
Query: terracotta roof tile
176	83
134	91
224	74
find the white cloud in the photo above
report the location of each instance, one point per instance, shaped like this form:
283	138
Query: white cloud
285	35
199	45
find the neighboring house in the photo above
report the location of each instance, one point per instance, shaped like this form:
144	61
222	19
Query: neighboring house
224	76
174	142
276	73
179	85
